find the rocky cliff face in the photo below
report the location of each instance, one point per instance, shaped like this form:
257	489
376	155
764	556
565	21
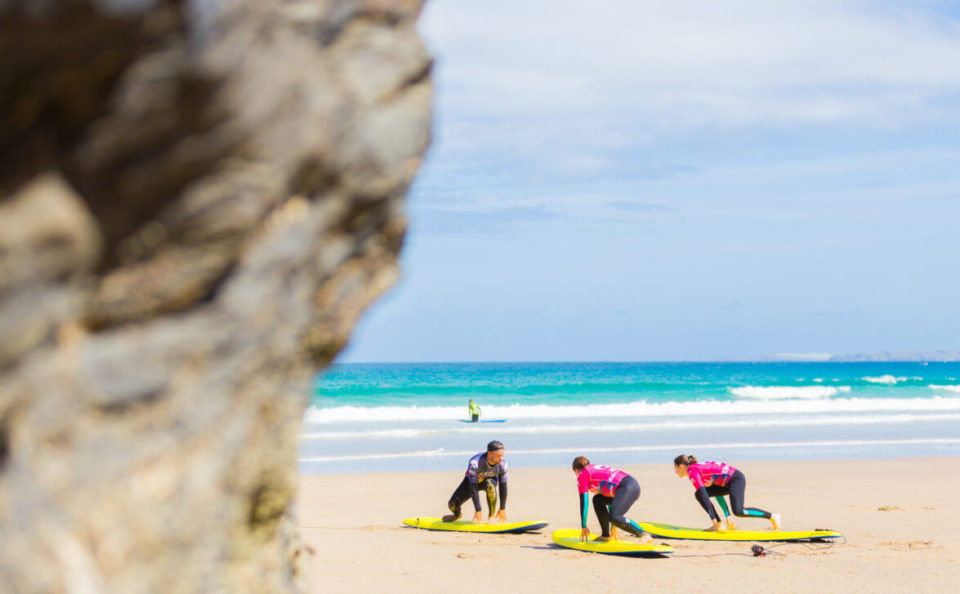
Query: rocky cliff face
197	200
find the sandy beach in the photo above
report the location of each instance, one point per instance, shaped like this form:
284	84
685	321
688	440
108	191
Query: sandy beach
899	518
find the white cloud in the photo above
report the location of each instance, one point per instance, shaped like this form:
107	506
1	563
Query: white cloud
690	62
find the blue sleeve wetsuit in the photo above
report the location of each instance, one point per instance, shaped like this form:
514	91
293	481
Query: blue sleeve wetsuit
479	473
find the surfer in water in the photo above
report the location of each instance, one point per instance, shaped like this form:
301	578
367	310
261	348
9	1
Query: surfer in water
614	492
487	471
474	411
716	479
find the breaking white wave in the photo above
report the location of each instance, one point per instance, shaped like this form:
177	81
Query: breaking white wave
884	379
948	388
785	392
642	409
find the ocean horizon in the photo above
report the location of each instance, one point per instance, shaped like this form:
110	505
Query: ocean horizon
402	417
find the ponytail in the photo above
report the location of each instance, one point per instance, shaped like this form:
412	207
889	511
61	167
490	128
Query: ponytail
579	463
685	460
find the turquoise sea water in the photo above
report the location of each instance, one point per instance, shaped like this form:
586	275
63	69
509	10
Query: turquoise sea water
404	417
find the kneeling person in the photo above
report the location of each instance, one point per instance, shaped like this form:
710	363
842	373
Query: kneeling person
487	471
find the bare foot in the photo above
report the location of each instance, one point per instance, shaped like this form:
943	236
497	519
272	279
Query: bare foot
645	538
450	518
602	539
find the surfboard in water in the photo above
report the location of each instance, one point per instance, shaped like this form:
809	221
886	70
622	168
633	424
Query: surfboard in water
681	533
484	421
468	526
570	538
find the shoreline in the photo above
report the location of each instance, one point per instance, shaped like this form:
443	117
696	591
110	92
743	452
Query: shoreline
448	461
897	515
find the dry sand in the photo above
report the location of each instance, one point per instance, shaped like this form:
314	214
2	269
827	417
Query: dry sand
900	518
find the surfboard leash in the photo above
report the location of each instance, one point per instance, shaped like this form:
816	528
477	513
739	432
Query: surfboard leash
757	550
820	546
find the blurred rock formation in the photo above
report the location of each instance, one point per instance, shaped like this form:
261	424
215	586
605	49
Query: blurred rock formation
197	200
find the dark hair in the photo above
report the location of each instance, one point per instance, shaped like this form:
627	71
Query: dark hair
494	445
579	463
685	460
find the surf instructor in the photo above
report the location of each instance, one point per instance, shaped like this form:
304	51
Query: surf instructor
487	471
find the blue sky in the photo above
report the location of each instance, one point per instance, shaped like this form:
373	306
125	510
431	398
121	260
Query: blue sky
639	180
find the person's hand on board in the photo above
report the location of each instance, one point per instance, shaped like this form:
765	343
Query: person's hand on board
478	518
502	516
584	534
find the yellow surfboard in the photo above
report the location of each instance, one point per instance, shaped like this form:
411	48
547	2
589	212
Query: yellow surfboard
468	526
570	538
679	532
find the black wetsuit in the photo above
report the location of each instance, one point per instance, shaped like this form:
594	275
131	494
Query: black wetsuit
481	475
613	510
735	489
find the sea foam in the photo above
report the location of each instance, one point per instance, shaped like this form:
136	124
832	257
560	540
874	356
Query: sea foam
884	379
643	409
785	392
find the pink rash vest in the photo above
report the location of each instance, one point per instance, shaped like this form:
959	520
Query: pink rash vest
707	474
595	478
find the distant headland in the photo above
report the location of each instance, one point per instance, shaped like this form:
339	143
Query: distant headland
881	356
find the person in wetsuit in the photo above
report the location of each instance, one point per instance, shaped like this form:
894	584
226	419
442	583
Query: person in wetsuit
474	410
614	492
716	479
487	471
